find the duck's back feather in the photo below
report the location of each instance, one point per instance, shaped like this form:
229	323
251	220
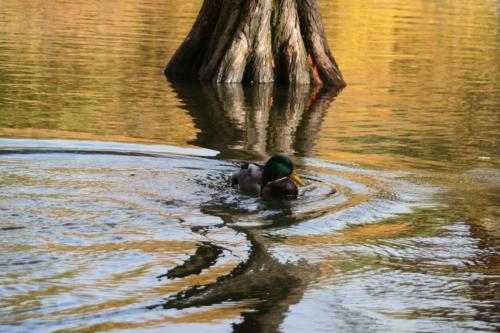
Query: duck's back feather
249	179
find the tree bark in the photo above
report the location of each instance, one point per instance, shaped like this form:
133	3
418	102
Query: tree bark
257	41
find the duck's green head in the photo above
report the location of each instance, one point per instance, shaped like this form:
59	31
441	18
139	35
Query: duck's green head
280	166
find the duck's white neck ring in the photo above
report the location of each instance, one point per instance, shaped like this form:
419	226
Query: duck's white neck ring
277	180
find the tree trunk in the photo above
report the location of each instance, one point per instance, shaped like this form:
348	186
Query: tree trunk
257	41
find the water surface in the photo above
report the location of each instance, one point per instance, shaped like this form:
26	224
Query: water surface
115	212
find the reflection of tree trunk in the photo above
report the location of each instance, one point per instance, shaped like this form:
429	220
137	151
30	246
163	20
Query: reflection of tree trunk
256	120
232	100
257	41
258	117
477	205
288	113
275	285
487	262
316	109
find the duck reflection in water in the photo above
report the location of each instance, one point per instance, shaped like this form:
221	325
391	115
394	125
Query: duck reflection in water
247	124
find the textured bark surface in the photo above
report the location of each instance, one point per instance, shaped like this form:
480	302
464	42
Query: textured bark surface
256	41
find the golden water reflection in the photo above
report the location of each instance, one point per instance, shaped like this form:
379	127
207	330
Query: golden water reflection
418	92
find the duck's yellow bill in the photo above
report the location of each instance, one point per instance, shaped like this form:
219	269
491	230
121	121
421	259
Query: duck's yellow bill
296	178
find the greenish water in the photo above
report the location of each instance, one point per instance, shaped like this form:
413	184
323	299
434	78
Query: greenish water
115	210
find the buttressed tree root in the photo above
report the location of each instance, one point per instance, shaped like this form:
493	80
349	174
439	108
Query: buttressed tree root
257	41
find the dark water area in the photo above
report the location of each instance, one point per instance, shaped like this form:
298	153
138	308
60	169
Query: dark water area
115	207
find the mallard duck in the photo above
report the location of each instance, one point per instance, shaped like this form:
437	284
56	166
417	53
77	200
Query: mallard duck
275	178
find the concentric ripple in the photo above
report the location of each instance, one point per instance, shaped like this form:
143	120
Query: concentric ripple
117	238
84	235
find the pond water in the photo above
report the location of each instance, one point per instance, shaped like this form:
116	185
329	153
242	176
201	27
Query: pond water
115	209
